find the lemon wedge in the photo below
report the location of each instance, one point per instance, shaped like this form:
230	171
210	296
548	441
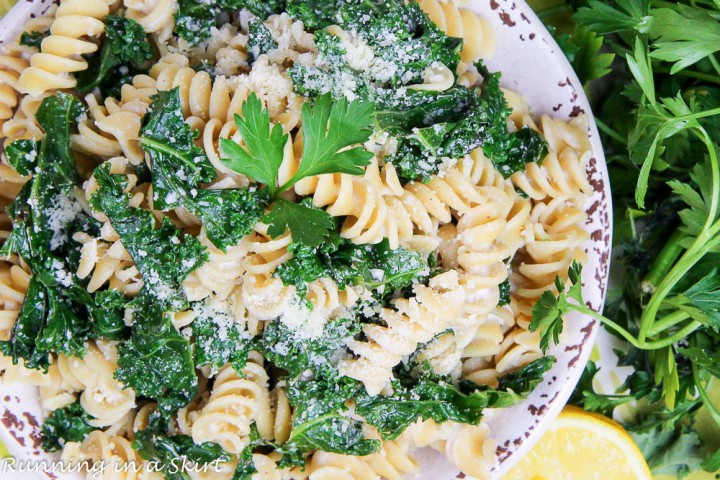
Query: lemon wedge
582	446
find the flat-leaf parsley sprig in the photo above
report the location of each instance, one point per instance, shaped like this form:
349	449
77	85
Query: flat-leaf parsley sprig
329	128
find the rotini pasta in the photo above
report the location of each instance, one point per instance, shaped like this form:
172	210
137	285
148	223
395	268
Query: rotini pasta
236	402
103	397
60	53
120	461
13	61
415	320
562	172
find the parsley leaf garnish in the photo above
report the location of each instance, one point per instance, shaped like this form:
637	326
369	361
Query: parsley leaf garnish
684	35
179	168
549	310
328	128
308	225
265	145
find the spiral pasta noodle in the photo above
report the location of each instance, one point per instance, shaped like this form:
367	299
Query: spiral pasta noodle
557	241
153	15
235	402
60	53
562	172
14	282
107	263
471	449
415	320
481	257
120	461
14	59
102	396
220	275
436	78
479	355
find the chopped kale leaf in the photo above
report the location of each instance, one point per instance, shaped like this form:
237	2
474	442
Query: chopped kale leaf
429	126
164	256
320	424
107	312
377	266
435	397
154	444
316	391
157	361
45	214
195	19
125	50
281	346
22	155
219	339
260	41
33	39
504	293
67	424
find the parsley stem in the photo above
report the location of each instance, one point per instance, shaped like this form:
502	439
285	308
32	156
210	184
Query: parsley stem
692	74
697	250
674	338
610	132
715	168
706	240
711	408
607	322
694	116
666	259
667	321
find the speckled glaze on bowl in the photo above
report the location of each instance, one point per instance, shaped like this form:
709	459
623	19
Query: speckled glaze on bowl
532	64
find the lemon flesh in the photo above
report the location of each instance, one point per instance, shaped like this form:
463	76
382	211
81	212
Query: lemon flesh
582	446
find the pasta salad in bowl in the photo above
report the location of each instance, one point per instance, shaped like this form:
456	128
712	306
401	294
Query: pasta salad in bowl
287	240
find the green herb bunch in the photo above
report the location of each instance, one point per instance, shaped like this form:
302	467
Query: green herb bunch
658	109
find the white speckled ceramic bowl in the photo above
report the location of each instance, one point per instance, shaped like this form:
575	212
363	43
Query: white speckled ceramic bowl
532	64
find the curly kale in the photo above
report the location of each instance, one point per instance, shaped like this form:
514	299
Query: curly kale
260	41
157	361
164	256
416	44
316	391
376	266
219	339
430	396
46	214
477	119
172	453
125	50
67	424
33	39
430	127
195	19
